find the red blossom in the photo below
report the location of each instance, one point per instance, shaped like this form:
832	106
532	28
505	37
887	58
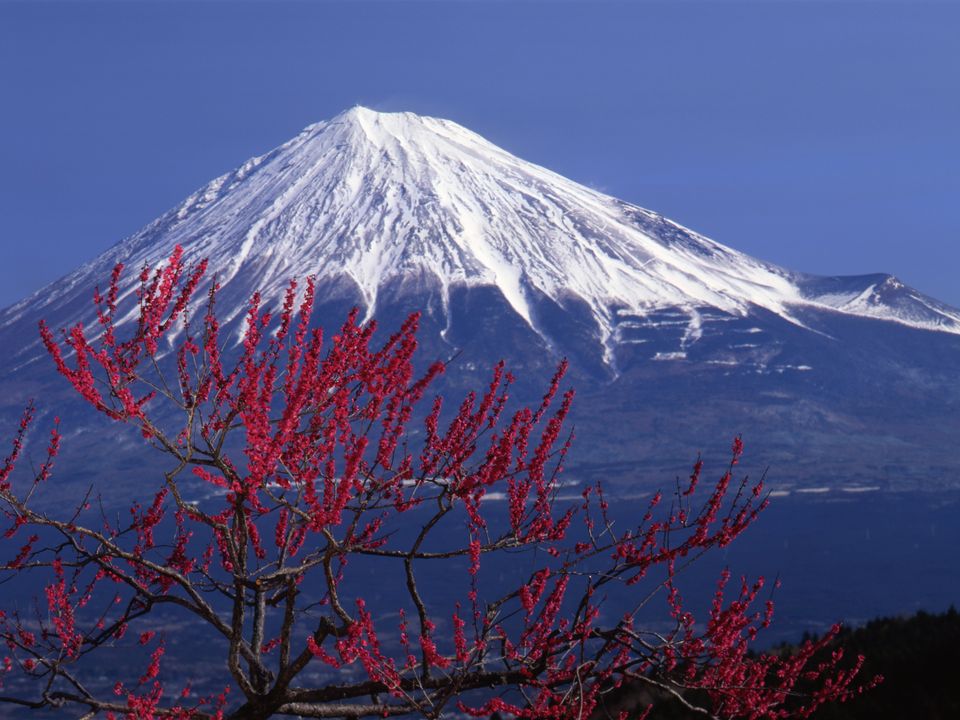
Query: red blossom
301	461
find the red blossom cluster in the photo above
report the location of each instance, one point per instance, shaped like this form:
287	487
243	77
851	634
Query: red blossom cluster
322	464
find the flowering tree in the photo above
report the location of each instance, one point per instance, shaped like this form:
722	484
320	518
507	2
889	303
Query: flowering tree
299	469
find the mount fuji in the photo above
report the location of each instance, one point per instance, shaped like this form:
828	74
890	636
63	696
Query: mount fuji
676	341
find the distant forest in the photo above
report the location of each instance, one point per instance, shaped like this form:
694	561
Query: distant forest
918	656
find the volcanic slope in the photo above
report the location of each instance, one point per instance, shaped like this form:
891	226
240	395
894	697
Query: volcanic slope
673	334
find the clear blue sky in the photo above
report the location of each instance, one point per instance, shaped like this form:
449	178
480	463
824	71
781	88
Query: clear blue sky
824	136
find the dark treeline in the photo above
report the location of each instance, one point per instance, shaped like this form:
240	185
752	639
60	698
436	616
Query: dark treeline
918	656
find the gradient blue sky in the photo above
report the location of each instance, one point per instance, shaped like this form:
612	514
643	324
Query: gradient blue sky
824	136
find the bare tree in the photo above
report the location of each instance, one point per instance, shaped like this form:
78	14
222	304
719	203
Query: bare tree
314	474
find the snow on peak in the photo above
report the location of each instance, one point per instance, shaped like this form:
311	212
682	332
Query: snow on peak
374	197
378	195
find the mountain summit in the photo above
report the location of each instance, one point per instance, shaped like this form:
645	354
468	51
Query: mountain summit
371	200
675	341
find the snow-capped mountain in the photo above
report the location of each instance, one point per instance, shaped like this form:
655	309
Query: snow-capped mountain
394	211
368	200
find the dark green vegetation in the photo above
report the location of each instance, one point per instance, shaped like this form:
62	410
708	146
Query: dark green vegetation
918	656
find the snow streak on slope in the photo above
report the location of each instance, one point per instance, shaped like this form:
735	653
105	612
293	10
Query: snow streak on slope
372	197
